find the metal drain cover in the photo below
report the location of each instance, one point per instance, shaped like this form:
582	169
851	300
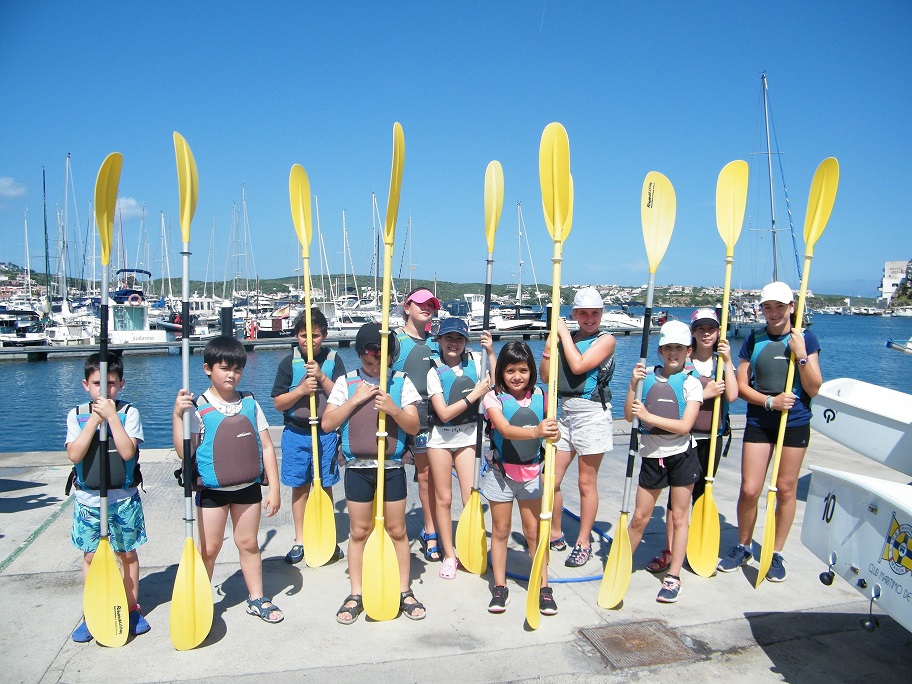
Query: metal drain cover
638	644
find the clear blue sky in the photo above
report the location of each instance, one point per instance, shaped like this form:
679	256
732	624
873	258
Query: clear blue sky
666	86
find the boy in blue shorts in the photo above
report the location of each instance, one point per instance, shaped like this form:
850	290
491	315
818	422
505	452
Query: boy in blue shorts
126	525
296	379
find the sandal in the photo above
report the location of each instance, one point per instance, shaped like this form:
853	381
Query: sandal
265	613
352	611
559	544
660	563
431	553
409	609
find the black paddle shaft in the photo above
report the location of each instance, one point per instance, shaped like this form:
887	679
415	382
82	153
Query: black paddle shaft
486	321
644	351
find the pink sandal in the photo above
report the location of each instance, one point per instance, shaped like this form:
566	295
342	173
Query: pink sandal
448	568
660	563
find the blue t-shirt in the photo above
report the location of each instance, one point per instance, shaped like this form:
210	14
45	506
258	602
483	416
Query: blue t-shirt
769	356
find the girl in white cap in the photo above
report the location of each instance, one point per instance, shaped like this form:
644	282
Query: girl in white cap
586	427
670	403
707	348
762	370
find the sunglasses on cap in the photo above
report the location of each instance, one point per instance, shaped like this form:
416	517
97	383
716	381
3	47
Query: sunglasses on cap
372	349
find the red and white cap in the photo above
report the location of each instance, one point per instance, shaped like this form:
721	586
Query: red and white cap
704	316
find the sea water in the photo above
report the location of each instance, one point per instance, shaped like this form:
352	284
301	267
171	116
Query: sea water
37	395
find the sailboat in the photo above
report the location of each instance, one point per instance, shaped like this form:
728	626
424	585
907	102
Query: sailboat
744	309
520	317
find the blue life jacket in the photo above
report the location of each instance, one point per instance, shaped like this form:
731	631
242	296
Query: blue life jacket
663	398
230	452
415	359
769	364
703	423
359	431
299	414
593	384
520	451
456	388
87	473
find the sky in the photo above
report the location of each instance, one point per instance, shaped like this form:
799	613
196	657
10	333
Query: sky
660	86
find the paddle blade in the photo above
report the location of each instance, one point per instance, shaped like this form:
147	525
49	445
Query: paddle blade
471	538
105	201
104	599
731	199
299	192
618	568
191	600
493	200
319	536
554	177
703	538
533	616
820	202
392	206
657	212
769	538
380	581
188	183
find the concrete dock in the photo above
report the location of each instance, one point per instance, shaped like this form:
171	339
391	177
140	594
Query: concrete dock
721	629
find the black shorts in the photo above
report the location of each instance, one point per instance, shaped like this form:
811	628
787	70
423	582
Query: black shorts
703	458
216	498
798	436
361	484
673	471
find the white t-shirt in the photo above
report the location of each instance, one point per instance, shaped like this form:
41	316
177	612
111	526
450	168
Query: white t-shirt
133	428
339	396
663	446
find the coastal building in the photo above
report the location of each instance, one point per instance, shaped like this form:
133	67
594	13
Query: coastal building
893	273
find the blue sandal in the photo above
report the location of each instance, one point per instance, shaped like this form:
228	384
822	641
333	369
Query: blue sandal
265	613
431	553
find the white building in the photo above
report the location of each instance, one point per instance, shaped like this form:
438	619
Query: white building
894	272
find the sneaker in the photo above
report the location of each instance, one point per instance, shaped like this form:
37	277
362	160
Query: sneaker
138	624
737	556
296	555
340	554
559	544
776	573
500	597
578	556
448	569
671	588
81	634
546	604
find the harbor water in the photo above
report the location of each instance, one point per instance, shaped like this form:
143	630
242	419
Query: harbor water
38	394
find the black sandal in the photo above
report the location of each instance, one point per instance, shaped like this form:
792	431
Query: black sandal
409	609
352	611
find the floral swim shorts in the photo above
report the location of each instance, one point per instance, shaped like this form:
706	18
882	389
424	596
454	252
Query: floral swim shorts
126	526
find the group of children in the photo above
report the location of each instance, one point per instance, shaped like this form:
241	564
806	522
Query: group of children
431	401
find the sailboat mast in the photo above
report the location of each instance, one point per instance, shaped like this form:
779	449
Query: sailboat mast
411	263
519	223
769	160
47	256
28	269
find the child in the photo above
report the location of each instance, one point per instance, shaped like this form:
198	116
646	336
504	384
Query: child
415	359
352	407
516	410
232	450
296	379
454	388
762	370
126	524
586	427
670	402
707	348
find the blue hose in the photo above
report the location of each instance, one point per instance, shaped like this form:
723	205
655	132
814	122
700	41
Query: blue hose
565	580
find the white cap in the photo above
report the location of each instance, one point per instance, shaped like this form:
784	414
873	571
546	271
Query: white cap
777	292
674	332
704	317
588	298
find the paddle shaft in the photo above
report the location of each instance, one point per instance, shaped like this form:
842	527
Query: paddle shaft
185	383
720	370
308	322
486	321
634	447
103	464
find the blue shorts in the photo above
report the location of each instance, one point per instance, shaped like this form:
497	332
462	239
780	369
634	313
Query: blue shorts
297	457
126	526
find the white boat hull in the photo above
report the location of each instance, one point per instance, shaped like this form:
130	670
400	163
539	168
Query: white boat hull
862	527
872	420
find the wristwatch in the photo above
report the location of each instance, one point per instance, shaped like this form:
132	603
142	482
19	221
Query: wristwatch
803	362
